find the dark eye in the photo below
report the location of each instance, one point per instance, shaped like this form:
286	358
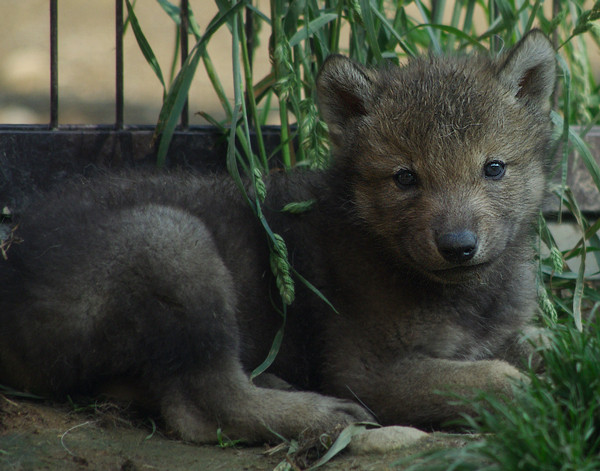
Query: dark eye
405	177
494	170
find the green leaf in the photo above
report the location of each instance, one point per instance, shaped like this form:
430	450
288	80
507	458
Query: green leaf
578	292
367	8
174	103
312	27
8	391
507	12
171	10
144	45
342	442
273	351
579	281
177	95
390	28
456	32
315	290
298	207
153	432
532	15
175	13
435	43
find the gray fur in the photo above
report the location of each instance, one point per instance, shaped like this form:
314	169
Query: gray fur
161	282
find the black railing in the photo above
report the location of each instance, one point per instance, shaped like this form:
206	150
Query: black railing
119	89
54	64
119	95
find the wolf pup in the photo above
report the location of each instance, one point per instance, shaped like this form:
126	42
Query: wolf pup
421	237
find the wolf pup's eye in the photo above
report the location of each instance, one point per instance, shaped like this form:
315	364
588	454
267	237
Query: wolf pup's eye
494	170
405	177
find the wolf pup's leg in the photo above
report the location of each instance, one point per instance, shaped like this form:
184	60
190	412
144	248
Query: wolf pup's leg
142	296
197	403
411	392
199	381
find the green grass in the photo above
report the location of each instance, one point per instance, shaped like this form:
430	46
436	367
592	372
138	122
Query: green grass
555	423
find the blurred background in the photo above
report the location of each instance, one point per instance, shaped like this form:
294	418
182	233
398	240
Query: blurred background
86	48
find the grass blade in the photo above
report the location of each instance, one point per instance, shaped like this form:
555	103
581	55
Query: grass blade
8	391
144	45
315	290
273	351
456	32
401	42
367	7
434	41
171	10
177	95
341	442
312	27
579	281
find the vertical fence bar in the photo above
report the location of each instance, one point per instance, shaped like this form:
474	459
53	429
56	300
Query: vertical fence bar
555	12
53	64
183	39
119	64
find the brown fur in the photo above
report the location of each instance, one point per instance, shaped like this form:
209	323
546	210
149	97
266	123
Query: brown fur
418	238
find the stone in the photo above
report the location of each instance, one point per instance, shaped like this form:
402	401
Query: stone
384	439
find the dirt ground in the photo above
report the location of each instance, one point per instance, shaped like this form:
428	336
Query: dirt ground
42	436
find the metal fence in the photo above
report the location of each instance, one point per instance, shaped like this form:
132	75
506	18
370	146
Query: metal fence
36	157
119	31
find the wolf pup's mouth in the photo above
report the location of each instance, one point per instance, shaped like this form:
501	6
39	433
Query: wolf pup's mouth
460	272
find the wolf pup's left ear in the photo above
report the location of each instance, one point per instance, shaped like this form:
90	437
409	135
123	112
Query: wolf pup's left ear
530	70
344	91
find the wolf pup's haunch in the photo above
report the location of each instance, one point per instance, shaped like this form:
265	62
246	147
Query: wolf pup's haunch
421	237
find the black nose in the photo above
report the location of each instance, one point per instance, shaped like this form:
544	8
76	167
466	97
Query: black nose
457	247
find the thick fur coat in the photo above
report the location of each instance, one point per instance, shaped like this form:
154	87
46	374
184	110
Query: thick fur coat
421	237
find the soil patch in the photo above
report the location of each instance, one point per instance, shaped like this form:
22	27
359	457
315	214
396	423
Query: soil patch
45	436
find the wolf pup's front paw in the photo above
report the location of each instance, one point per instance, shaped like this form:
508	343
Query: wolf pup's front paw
347	412
500	377
326	413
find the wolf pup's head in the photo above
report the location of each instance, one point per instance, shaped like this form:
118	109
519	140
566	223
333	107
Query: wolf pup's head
444	159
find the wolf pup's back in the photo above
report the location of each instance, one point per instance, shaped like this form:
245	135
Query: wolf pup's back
421	237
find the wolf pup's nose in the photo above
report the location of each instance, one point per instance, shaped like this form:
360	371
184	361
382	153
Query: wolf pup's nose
457	247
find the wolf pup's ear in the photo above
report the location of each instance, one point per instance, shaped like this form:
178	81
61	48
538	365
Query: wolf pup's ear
344	90
530	70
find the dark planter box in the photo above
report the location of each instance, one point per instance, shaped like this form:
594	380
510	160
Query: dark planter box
34	158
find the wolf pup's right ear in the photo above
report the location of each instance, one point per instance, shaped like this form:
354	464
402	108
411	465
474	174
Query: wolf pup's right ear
529	70
344	91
